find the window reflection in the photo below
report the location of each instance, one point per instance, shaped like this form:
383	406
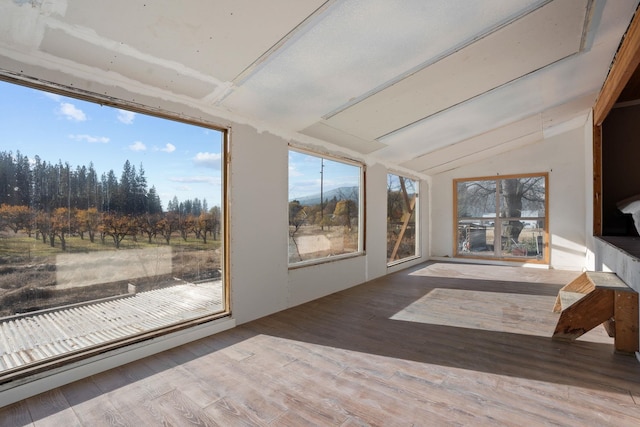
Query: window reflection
324	208
502	218
101	204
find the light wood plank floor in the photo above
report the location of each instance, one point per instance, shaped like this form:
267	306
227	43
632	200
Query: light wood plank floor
438	344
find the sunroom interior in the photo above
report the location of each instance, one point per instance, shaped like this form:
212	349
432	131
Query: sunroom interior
435	92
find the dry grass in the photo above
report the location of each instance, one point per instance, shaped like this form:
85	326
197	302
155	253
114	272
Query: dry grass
28	270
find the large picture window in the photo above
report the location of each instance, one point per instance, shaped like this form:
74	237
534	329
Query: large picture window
502	217
325	203
402	195
111	226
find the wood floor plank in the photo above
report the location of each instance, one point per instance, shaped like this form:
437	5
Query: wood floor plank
51	408
228	377
432	345
257	400
15	415
131	386
178	408
618	402
188	377
85	399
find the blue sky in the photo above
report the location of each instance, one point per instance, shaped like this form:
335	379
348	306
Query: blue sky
179	159
304	175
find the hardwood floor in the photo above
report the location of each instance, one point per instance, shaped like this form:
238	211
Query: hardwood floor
438	344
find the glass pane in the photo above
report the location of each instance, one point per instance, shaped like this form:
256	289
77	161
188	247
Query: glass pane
476	238
324	204
476	199
513	229
522	197
401	217
522	202
102	204
523	239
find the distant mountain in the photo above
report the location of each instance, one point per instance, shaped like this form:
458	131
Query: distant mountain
341	193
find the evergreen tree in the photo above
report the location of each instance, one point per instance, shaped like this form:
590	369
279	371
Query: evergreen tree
141	194
7	178
109	191
92	188
125	203
22	181
155	205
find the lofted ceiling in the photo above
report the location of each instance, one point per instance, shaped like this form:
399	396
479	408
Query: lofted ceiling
424	85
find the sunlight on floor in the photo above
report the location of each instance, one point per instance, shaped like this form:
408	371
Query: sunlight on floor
493	272
481	310
490	311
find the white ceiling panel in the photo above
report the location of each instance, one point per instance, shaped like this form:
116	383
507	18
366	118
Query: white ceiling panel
567	116
325	132
553	86
219	38
479	147
536	40
421	85
172	77
355	47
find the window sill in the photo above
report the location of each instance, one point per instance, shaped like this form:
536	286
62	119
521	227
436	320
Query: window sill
326	260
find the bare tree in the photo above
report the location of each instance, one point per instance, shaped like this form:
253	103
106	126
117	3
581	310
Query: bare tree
516	193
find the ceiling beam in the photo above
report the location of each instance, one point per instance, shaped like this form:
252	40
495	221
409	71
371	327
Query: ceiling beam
624	65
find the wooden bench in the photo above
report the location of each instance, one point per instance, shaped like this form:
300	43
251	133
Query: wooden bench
596	298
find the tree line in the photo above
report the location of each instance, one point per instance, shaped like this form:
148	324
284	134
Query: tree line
54	200
338	210
46	186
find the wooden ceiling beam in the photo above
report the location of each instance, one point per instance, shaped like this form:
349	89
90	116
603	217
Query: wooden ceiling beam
624	65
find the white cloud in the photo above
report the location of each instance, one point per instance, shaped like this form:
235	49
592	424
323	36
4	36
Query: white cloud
194	179
210	160
293	171
90	139
137	146
53	96
71	112
169	148
126	117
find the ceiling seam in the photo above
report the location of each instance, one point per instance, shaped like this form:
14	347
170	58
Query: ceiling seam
264	57
298	29
488	91
470	154
435	60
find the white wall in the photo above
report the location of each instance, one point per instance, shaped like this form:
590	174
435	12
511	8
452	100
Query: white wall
258	219
563	157
260	279
590	262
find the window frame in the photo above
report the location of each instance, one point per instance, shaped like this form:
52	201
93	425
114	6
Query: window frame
69	359
545	233
416	215
361	209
